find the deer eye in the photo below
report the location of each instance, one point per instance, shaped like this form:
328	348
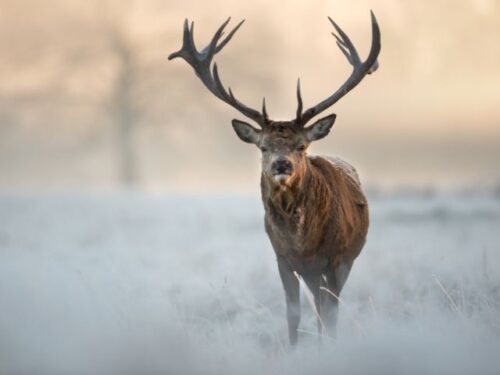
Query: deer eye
263	149
301	148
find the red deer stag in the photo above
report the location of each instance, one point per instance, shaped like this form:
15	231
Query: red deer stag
316	214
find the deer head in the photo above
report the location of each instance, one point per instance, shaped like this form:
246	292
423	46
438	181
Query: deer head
283	143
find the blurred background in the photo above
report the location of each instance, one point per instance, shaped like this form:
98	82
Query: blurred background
105	268
88	99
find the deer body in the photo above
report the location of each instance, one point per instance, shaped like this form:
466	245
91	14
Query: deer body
316	236
316	214
313	232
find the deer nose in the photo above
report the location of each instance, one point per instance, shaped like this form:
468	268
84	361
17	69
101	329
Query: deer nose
282	166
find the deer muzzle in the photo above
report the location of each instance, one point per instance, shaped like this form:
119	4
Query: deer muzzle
281	169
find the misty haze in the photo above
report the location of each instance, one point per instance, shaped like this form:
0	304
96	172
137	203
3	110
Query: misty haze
132	238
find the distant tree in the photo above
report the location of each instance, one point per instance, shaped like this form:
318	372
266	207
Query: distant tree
123	110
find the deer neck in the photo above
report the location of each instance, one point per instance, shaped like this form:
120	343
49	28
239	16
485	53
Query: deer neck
285	200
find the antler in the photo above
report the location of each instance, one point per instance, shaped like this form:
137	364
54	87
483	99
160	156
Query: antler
201	61
360	70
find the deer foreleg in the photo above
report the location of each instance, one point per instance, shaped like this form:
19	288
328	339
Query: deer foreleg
335	280
292	293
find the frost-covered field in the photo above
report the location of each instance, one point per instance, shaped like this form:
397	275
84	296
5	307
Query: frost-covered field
140	284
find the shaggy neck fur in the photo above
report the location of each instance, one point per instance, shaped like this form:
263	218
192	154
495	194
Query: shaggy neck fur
315	200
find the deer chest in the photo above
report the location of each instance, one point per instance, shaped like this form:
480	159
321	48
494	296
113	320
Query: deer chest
288	241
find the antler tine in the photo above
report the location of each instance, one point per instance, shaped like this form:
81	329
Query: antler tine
228	37
360	68
210	49
299	102
191	36
187	45
371	60
201	63
230	99
264	110
344	43
218	83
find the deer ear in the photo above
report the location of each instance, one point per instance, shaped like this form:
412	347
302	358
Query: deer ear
246	132
320	128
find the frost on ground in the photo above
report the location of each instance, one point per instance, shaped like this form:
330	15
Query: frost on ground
138	284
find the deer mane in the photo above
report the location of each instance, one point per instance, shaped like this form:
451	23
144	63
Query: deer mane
324	202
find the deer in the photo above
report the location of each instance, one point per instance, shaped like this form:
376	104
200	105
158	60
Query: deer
316	214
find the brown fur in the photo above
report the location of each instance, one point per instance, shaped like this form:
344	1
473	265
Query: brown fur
331	202
341	202
316	218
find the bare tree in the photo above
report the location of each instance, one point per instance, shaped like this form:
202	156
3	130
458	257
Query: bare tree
124	113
